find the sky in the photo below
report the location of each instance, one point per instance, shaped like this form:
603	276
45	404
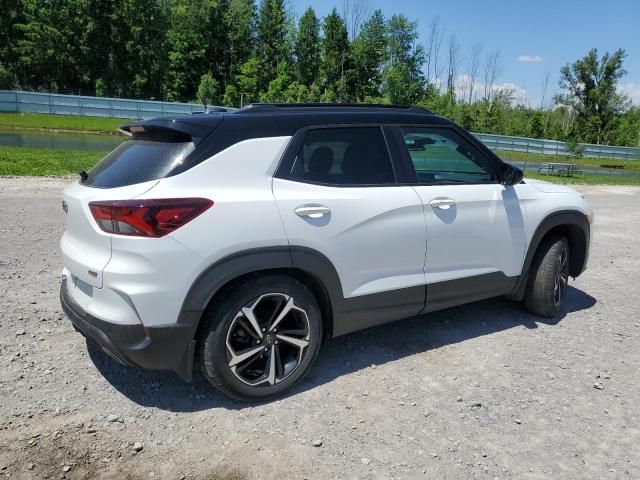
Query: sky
534	37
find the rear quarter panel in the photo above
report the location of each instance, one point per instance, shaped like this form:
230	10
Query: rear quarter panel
244	214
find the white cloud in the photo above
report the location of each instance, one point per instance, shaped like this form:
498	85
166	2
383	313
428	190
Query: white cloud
530	58
519	96
631	90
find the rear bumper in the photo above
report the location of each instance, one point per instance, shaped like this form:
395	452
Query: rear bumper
168	347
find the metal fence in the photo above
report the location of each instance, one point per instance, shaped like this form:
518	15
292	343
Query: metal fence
554	147
28	102
12	101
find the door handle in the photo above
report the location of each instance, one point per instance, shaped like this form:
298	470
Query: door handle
312	211
442	203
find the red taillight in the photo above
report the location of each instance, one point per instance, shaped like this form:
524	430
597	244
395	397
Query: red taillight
147	218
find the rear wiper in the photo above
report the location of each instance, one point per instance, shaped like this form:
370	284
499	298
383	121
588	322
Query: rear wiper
83	176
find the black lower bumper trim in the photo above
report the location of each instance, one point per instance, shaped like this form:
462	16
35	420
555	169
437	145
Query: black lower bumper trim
160	348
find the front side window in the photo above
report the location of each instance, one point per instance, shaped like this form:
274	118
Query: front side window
442	156
344	156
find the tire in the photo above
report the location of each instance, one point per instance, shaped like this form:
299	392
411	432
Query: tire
261	337
548	278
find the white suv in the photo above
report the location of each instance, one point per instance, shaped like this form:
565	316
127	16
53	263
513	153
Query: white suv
239	241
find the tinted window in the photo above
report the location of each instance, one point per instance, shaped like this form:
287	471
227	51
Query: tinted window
344	156
442	156
137	161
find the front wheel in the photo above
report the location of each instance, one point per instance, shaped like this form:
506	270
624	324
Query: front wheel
261	337
548	278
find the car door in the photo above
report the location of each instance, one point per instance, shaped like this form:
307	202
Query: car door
476	236
340	198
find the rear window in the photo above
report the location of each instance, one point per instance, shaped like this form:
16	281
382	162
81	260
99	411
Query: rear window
137	161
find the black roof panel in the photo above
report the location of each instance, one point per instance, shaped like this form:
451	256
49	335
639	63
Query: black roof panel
280	120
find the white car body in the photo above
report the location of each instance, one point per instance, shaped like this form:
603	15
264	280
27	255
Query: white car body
379	239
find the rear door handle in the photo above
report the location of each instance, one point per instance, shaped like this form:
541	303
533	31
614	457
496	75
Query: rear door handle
442	203
312	211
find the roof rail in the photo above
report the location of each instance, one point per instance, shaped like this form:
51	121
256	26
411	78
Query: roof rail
273	107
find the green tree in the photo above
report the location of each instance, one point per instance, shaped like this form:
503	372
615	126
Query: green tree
8	79
271	39
369	54
283	89
247	81
628	131
45	56
537	128
403	80
11	16
207	90
103	42
590	90
335	53
240	24
186	43
307	48
145	45
216	54
101	89
231	96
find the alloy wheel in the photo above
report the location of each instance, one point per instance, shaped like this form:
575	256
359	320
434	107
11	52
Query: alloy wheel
267	340
561	278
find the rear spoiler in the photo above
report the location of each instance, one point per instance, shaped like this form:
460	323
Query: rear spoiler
171	129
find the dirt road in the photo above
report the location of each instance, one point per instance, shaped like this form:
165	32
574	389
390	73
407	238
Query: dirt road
479	391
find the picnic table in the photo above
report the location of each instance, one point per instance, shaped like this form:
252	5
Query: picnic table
560	169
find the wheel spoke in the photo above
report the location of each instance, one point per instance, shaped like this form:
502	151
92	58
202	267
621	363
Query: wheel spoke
248	313
241	368
562	259
247	327
279	364
271	376
297	332
298	342
283	313
282	301
239	358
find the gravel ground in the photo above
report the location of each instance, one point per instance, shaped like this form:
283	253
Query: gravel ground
479	391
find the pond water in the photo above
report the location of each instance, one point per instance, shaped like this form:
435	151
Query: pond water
69	141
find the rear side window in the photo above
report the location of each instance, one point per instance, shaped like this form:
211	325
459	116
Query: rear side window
137	161
344	156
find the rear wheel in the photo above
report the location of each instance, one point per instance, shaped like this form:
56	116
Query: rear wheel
548	278
261	337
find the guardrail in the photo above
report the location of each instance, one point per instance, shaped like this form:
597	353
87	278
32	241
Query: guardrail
28	102
554	147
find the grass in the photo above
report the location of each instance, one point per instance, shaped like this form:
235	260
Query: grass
37	121
587	179
42	162
627	165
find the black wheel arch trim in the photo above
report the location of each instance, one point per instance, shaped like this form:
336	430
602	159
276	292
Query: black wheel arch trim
573	224
345	314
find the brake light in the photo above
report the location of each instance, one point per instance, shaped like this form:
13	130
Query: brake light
147	218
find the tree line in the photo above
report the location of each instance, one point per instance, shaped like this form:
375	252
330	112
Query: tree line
234	52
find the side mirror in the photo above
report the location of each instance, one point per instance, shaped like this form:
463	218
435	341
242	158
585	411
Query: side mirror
511	175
